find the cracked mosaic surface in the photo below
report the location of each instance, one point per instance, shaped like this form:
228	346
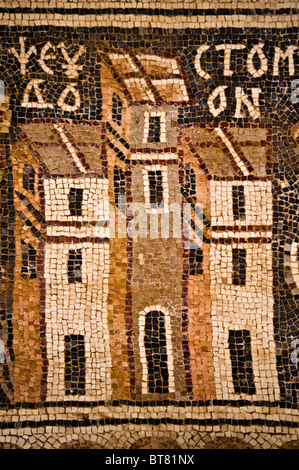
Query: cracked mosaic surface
149	271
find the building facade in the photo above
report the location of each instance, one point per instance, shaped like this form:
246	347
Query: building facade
149	228
139	187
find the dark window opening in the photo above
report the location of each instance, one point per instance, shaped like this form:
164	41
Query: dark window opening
189	189
75	201
119	189
29	178
238	202
154	130
75	266
28	270
116	109
156	353
155	186
74	355
240	353
195	261
239	267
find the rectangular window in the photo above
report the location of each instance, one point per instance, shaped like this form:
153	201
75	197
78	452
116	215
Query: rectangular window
75	201
29	178
74	365
240	354
119	183
154	129
155	186
195	261
74	271
238	202
239	267
116	109
28	270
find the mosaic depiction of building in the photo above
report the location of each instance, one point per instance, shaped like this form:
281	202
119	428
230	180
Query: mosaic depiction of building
149	237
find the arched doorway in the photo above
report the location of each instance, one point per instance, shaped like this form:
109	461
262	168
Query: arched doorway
156	351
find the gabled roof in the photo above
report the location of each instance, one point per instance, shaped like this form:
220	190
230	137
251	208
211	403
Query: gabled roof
149	77
230	151
65	147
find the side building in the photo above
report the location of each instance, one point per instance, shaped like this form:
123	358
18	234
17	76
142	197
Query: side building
61	334
236	162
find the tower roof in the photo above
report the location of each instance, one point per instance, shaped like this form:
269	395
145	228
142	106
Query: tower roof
149	77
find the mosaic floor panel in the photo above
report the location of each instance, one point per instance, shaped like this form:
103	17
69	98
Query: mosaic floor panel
149	267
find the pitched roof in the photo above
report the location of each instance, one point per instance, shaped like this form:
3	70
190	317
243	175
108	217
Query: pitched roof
149	77
230	150
67	147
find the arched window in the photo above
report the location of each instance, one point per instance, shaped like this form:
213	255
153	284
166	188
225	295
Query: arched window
155	346
189	189
119	189
116	109
156	352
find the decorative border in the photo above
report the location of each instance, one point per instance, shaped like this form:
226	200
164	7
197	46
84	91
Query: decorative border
177	18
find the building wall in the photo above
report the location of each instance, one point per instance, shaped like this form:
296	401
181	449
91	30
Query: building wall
157	269
248	307
118	315
26	318
110	86
199	298
156	283
78	308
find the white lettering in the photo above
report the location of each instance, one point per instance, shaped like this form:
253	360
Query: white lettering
61	101
72	67
137	226
257	49
218	92
289	54
23	56
33	85
242	98
45	56
116	460
197	63
228	48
